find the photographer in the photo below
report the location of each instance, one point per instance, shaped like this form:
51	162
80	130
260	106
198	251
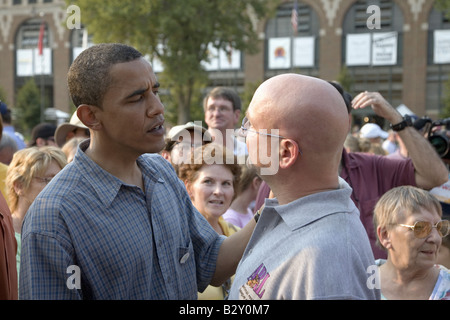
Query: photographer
437	132
423	169
430	171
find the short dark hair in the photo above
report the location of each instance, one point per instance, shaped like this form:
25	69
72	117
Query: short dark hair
345	95
88	77
225	93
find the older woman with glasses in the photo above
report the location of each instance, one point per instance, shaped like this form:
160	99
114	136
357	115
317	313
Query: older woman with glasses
30	170
409	225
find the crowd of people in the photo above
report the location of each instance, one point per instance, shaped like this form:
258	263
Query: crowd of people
113	205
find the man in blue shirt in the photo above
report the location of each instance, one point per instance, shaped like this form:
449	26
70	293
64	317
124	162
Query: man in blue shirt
117	223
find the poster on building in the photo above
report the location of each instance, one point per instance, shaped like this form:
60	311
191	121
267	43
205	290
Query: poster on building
441	46
357	50
24	66
42	63
279	53
303	55
30	63
384	48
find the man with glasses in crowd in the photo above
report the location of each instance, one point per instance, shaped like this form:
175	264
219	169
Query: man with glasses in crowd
222	107
309	242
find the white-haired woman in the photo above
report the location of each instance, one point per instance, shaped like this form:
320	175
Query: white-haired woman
409	226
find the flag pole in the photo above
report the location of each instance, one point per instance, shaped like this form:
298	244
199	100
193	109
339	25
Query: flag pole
294	23
41	54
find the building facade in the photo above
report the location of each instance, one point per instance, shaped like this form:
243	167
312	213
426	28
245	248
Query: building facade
397	47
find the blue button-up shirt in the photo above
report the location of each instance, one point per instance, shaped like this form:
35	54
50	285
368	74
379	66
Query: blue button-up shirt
88	235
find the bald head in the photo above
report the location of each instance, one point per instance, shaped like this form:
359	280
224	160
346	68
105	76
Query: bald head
306	109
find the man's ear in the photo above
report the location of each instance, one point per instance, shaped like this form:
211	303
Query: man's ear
289	153
88	116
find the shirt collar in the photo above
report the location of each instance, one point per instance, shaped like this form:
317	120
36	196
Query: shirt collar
104	183
313	207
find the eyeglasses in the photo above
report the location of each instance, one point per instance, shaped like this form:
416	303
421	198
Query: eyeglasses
423	228
244	130
43	180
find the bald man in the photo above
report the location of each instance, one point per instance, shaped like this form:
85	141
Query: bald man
309	242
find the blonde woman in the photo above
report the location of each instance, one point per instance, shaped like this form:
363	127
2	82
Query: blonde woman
30	170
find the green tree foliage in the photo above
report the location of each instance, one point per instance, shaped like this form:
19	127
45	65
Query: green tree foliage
444	6
178	33
28	112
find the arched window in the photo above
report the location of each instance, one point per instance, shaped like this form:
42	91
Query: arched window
373	53
31	61
438	60
292	40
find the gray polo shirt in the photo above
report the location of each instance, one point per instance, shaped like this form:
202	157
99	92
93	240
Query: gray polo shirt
312	248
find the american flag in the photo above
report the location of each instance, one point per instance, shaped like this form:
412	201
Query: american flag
294	17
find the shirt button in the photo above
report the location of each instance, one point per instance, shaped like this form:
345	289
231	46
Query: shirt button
184	258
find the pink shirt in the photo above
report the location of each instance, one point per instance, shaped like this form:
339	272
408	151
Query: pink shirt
238	219
371	176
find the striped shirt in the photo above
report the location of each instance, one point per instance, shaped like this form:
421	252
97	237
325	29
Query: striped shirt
88	235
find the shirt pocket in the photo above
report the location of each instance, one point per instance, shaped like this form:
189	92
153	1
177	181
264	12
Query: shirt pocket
186	272
185	254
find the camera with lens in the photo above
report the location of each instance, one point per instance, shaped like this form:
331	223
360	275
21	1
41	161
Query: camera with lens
438	133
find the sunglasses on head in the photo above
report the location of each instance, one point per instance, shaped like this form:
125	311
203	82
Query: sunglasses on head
422	229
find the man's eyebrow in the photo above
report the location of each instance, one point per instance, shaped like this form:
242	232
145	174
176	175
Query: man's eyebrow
137	93
142	91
